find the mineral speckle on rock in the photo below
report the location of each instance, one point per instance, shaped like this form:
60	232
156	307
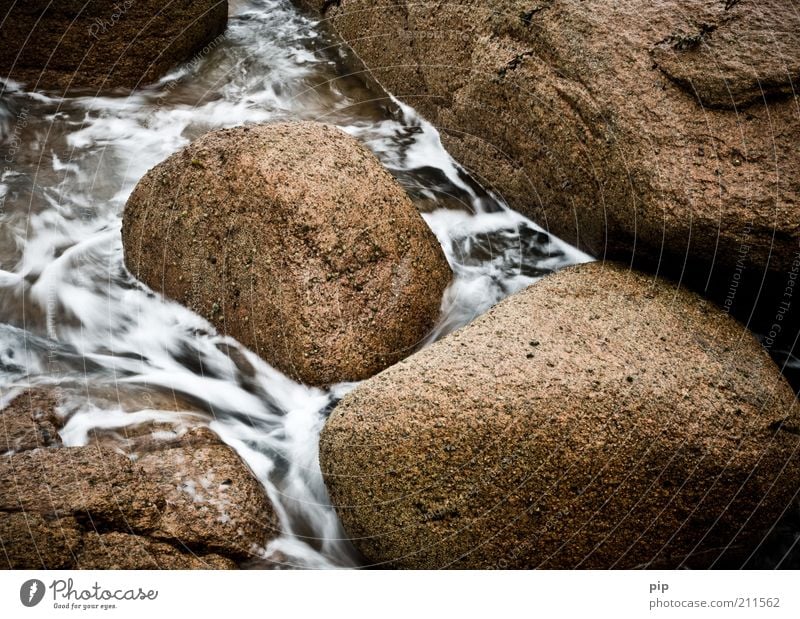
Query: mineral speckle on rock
295	240
600	418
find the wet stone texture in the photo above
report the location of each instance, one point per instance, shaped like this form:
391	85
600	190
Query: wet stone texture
97	44
28	422
600	418
183	503
295	240
655	129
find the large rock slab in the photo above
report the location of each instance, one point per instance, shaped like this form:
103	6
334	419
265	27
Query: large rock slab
293	239
98	44
665	130
600	418
177	499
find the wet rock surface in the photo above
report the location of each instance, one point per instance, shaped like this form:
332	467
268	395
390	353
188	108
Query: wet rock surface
96	485
94	44
185	502
293	239
212	499
600	418
662	130
119	551
29	422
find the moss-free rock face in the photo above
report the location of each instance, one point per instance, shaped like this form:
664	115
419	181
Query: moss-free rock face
101	44
598	419
119	551
29	422
661	129
293	239
212	500
187	502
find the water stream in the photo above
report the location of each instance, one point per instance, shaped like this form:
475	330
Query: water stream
121	355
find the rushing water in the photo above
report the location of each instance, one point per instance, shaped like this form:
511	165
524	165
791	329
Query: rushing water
123	356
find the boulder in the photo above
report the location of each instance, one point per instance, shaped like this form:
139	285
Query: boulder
97	44
213	501
293	239
663	130
600	418
178	499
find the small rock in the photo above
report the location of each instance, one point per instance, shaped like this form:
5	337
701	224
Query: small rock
180	499
213	501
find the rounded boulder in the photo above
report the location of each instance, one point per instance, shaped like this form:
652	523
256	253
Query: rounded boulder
600	418
293	239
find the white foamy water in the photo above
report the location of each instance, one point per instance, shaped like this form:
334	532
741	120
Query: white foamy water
75	318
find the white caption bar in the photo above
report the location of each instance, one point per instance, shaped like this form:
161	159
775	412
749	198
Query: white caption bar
406	595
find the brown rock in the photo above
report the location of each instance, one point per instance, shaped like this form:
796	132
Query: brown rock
293	239
172	500
29	540
739	59
657	129
598	419
119	551
93	484
213	501
29	422
61	44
